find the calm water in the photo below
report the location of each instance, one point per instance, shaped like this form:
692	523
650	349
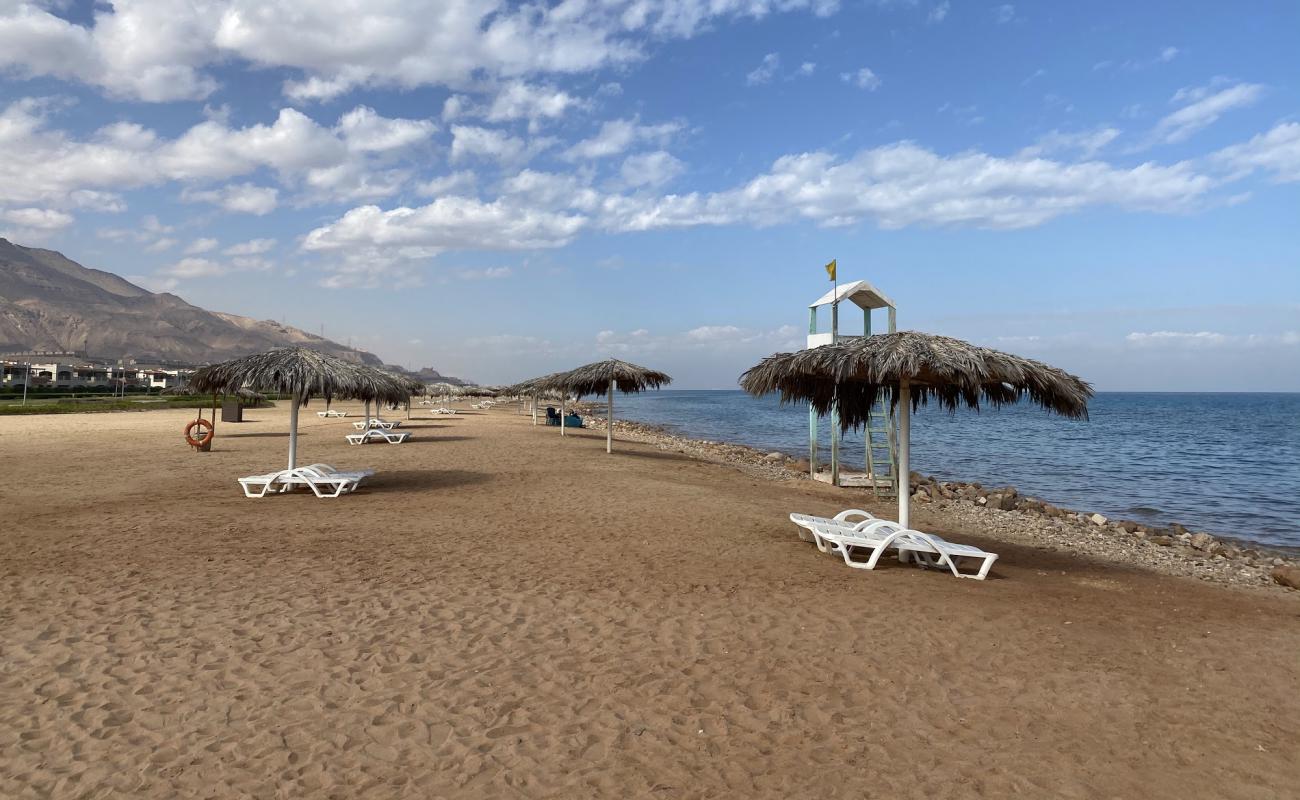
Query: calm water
1225	463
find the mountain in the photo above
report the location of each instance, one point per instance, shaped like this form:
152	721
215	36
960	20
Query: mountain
50	302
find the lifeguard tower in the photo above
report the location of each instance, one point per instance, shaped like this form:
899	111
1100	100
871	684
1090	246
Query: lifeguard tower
880	440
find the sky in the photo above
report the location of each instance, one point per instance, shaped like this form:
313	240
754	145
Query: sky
500	190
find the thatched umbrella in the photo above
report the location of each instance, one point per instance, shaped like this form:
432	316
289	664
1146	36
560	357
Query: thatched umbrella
412	386
603	377
443	389
533	389
911	369
301	374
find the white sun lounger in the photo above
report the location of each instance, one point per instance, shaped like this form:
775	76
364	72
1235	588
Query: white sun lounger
929	550
322	479
376	422
375	434
331	413
806	521
443	410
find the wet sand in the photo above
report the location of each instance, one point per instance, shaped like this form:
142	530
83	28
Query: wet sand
502	613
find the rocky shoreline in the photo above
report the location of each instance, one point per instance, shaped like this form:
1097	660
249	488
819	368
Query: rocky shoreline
1006	514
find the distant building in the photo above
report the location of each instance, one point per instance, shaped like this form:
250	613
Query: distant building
82	374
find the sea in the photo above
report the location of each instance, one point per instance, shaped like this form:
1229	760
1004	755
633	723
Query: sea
1224	463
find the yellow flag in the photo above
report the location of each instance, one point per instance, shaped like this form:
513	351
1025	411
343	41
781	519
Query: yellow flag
830	269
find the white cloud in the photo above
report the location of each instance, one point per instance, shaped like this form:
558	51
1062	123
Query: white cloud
446	223
200	246
1194	340
242	198
1085	143
616	136
1205	104
650	169
41	219
471	141
488	273
516	100
152	233
1166	55
252	247
147	50
904	184
893	186
193	268
158	50
938	14
862	78
365	131
292	145
765	71
1004	13
462	182
710	338
350	161
1277	151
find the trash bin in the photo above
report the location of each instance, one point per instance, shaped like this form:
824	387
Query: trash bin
232	411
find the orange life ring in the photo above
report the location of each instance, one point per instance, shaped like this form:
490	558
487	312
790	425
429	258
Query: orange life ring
203	440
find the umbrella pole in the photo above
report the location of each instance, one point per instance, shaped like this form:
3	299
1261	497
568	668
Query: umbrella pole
609	421
563	400
534	411
904	445
293	433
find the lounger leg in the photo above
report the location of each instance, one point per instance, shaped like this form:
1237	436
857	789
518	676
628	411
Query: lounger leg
979	576
249	493
870	563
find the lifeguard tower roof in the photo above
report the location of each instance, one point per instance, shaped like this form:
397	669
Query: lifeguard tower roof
860	293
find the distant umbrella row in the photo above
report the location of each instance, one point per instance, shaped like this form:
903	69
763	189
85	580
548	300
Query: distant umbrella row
601	377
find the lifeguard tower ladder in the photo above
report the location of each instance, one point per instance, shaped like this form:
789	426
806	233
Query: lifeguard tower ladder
880	439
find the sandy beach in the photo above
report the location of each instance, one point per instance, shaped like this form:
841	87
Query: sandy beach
500	612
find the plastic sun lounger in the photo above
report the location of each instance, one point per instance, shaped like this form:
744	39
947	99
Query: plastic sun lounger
443	410
376	422
373	434
322	479
929	550
806	521
331	413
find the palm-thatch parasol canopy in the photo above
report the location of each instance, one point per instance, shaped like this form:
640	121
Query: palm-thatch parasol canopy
910	369
442	389
302	374
603	377
532	389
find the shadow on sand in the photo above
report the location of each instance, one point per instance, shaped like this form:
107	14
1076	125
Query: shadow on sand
435	438
410	481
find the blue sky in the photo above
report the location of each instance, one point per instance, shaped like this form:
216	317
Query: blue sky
500	190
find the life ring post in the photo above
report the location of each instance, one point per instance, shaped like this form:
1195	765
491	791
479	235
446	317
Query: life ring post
203	443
